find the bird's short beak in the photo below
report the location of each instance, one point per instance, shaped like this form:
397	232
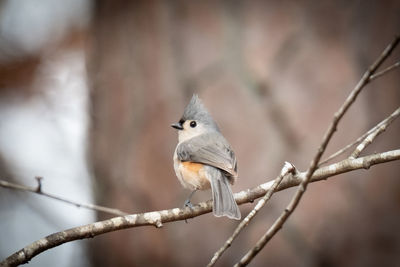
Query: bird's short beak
177	126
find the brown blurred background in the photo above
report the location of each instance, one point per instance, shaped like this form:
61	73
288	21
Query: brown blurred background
272	73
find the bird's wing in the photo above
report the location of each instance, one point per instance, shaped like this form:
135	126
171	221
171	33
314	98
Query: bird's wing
211	149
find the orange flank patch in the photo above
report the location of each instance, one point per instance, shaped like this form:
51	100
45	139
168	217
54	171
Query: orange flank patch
193	175
192	166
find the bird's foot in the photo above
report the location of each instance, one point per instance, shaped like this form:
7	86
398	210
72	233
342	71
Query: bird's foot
188	204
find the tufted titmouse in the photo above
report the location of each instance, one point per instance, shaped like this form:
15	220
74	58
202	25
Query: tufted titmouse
203	159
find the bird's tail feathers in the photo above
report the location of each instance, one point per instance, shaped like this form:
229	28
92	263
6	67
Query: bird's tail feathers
224	203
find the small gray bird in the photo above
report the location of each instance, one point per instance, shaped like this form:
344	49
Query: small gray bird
203	159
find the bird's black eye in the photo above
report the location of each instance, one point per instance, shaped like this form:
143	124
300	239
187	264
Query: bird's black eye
193	124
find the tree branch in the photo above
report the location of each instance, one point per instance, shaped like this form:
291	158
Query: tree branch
370	138
314	162
366	139
383	72
38	190
157	218
385	122
287	168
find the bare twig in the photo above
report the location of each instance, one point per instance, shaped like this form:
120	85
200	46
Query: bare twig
383	72
386	122
157	218
38	190
287	168
314	163
368	140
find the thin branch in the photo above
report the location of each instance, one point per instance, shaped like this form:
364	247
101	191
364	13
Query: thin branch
370	138
383	72
157	218
386	122
314	163
287	168
39	190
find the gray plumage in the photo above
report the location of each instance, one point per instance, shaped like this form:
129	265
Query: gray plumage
195	110
211	149
224	203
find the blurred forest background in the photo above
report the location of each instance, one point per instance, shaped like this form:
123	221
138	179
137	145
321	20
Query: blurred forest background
88	91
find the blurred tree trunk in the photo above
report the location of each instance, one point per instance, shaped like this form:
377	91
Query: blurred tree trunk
126	62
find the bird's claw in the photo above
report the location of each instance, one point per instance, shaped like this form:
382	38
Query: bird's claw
188	204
